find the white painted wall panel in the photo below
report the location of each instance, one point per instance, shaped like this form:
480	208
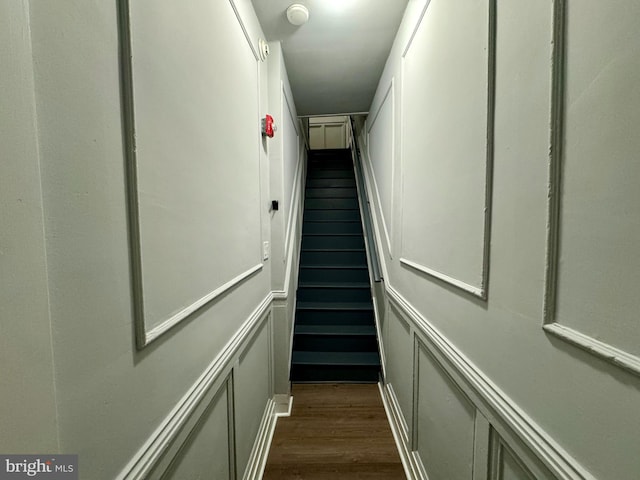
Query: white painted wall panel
597	291
103	383
28	409
381	154
511	468
445	423
316	137
327	132
205	454
503	337
444	135
252	388
334	136
197	152
399	356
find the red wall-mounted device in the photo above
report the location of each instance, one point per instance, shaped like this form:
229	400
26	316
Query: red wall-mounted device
268	127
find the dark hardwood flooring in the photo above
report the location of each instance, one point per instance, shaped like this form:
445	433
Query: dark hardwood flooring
334	432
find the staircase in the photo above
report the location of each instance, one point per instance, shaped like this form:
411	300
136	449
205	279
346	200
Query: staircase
334	333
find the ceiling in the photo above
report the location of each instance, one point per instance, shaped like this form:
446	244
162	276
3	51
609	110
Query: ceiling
335	60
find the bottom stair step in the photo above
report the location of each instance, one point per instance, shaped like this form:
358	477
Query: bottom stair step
335	367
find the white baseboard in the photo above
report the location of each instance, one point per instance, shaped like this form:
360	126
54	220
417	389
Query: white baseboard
260	451
409	461
279	406
284	403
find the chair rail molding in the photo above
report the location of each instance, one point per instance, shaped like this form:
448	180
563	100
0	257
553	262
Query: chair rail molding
165	441
523	435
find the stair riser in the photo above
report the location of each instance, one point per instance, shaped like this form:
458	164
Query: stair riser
334	317
336	173
334	373
332	228
331	216
336	241
332	275
333	258
331	203
330	193
331	182
335	343
329	165
328	295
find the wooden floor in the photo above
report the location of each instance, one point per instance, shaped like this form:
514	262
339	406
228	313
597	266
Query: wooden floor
334	432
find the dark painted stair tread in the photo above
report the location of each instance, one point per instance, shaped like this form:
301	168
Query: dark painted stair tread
330	192
334	317
346	234
334	306
349	267
335	216
348	203
337	241
331	182
335	329
331	228
335	358
314	174
333	250
333	285
333	267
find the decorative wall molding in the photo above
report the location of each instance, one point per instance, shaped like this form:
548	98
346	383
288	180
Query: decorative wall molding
412	469
606	352
144	336
165	440
504	415
378	324
245	30
477	291
260	451
481	447
293	227
368	188
155	332
415	28
388	231
399	418
614	356
295	192
496	459
555	160
482	290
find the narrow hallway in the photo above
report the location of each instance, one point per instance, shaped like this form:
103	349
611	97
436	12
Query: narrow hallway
335	431
162	286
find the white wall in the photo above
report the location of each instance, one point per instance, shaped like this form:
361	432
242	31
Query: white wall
481	259
203	191
287	154
27	410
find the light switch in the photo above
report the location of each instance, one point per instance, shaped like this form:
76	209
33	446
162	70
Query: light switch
265	251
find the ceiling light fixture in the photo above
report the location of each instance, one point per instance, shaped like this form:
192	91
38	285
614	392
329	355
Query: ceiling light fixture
297	14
